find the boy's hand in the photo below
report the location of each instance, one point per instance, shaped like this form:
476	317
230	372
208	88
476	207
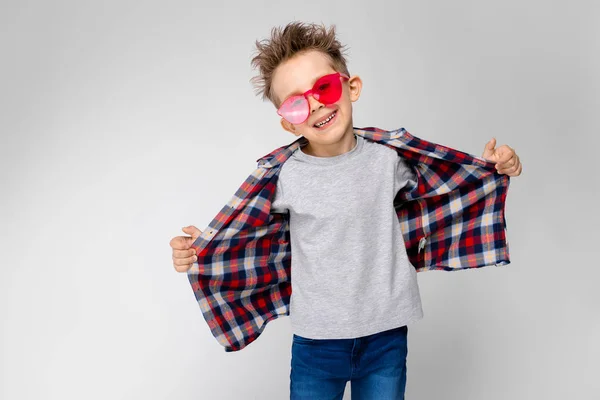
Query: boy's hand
183	255
507	161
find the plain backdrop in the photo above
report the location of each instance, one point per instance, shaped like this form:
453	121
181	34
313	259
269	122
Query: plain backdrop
123	121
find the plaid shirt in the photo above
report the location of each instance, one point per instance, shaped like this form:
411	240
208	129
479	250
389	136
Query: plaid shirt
452	219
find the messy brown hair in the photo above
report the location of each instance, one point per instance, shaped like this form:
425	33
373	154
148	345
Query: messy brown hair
285	43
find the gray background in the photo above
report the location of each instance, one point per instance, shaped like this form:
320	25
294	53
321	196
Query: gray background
122	122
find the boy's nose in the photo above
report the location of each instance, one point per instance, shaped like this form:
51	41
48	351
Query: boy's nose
314	104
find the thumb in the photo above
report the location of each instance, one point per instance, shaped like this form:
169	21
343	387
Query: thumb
193	232
489	148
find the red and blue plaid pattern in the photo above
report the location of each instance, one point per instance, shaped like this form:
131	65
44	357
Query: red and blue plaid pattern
452	219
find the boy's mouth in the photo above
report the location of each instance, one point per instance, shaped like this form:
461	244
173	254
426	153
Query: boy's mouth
326	121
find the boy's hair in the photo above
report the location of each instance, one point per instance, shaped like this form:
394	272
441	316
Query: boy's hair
295	38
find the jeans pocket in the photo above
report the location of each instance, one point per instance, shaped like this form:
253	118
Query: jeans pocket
301	339
402	330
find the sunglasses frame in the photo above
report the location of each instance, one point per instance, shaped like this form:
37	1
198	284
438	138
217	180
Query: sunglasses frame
307	93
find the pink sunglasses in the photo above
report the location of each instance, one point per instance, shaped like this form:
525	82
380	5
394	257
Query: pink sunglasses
326	90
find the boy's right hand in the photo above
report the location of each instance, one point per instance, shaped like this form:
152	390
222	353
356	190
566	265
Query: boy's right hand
183	255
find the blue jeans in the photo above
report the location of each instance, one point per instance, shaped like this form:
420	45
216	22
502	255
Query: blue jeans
375	365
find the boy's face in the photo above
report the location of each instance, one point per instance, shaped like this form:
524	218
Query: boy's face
299	74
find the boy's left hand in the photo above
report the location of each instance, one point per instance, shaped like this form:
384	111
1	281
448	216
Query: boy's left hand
507	161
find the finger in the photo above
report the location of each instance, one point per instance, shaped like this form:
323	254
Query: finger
180	243
507	160
513	164
513	171
184	261
192	231
182	268
508	164
504	155
507	171
490	145
184	253
519	170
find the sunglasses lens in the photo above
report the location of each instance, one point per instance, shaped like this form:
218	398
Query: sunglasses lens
294	109
328	89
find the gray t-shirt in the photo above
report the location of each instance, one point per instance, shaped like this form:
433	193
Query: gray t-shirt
350	273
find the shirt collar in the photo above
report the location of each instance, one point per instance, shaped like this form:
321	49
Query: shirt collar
281	154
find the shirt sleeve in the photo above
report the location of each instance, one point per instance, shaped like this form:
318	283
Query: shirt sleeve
406	176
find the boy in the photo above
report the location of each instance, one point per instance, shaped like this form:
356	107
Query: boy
338	198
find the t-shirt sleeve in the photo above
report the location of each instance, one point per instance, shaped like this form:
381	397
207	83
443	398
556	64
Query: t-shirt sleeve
406	176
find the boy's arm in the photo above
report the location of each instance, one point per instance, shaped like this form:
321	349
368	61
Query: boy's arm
507	161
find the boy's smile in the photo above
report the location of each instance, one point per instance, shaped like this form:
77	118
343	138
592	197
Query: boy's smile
328	129
326	122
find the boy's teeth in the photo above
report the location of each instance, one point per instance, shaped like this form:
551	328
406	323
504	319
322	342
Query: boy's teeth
320	124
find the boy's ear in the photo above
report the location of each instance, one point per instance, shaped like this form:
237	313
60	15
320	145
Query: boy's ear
355	86
289	127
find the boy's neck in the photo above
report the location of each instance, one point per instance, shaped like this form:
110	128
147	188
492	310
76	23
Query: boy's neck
346	143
